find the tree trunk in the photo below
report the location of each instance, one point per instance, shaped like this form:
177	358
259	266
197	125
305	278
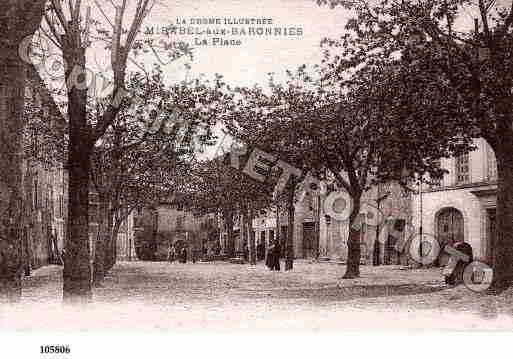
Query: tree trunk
279	237
113	249
317	226
502	249
12	94
101	241
251	236
230	245
77	270
18	19
353	242
289	243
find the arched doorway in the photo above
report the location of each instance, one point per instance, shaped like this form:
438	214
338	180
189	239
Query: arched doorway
449	229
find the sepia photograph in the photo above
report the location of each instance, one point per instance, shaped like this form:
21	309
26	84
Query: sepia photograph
264	169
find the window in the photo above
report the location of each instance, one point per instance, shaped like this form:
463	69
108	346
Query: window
283	233
492	165
462	169
61	206
49	197
180	223
436	181
35	189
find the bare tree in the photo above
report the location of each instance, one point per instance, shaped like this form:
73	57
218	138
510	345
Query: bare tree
70	31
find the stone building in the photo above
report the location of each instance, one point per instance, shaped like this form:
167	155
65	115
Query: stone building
44	176
170	223
318	235
45	181
461	206
179	226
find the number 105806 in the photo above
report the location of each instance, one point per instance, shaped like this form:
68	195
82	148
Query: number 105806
55	349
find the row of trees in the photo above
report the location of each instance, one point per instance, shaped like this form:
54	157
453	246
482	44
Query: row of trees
460	65
358	131
119	143
400	89
215	186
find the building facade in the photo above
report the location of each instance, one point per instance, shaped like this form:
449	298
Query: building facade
178	226
45	181
169	223
44	176
462	205
317	235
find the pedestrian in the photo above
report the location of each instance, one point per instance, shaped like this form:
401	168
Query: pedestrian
276	255
273	256
270	260
51	255
260	251
246	253
454	273
171	253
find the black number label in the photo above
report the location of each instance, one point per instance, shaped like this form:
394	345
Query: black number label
55	349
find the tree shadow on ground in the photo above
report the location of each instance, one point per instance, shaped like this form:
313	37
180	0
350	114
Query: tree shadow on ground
51	275
346	293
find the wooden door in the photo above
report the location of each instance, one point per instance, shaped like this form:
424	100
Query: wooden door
309	240
450	229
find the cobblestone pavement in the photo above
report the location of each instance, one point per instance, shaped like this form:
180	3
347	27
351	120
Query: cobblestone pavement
233	297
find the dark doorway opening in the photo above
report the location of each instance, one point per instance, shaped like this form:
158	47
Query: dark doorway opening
309	240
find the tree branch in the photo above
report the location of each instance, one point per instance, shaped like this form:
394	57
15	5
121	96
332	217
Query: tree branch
53	29
509	19
60	14
103	13
51	37
484	19
341	180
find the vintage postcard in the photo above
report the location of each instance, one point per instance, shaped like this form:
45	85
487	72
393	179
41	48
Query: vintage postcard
269	167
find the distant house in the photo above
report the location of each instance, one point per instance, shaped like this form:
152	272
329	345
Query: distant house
179	226
318	235
169	223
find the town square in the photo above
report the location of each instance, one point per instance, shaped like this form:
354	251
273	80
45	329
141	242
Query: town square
274	166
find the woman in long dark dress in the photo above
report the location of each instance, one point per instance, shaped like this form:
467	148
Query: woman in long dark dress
276	255
269	261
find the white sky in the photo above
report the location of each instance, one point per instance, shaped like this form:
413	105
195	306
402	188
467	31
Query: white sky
250	62
242	65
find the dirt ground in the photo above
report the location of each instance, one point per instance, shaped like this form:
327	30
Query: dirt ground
223	297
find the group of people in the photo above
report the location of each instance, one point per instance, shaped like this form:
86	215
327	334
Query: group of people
273	256
173	254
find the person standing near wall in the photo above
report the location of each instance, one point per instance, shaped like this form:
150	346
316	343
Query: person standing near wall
171	253
276	255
